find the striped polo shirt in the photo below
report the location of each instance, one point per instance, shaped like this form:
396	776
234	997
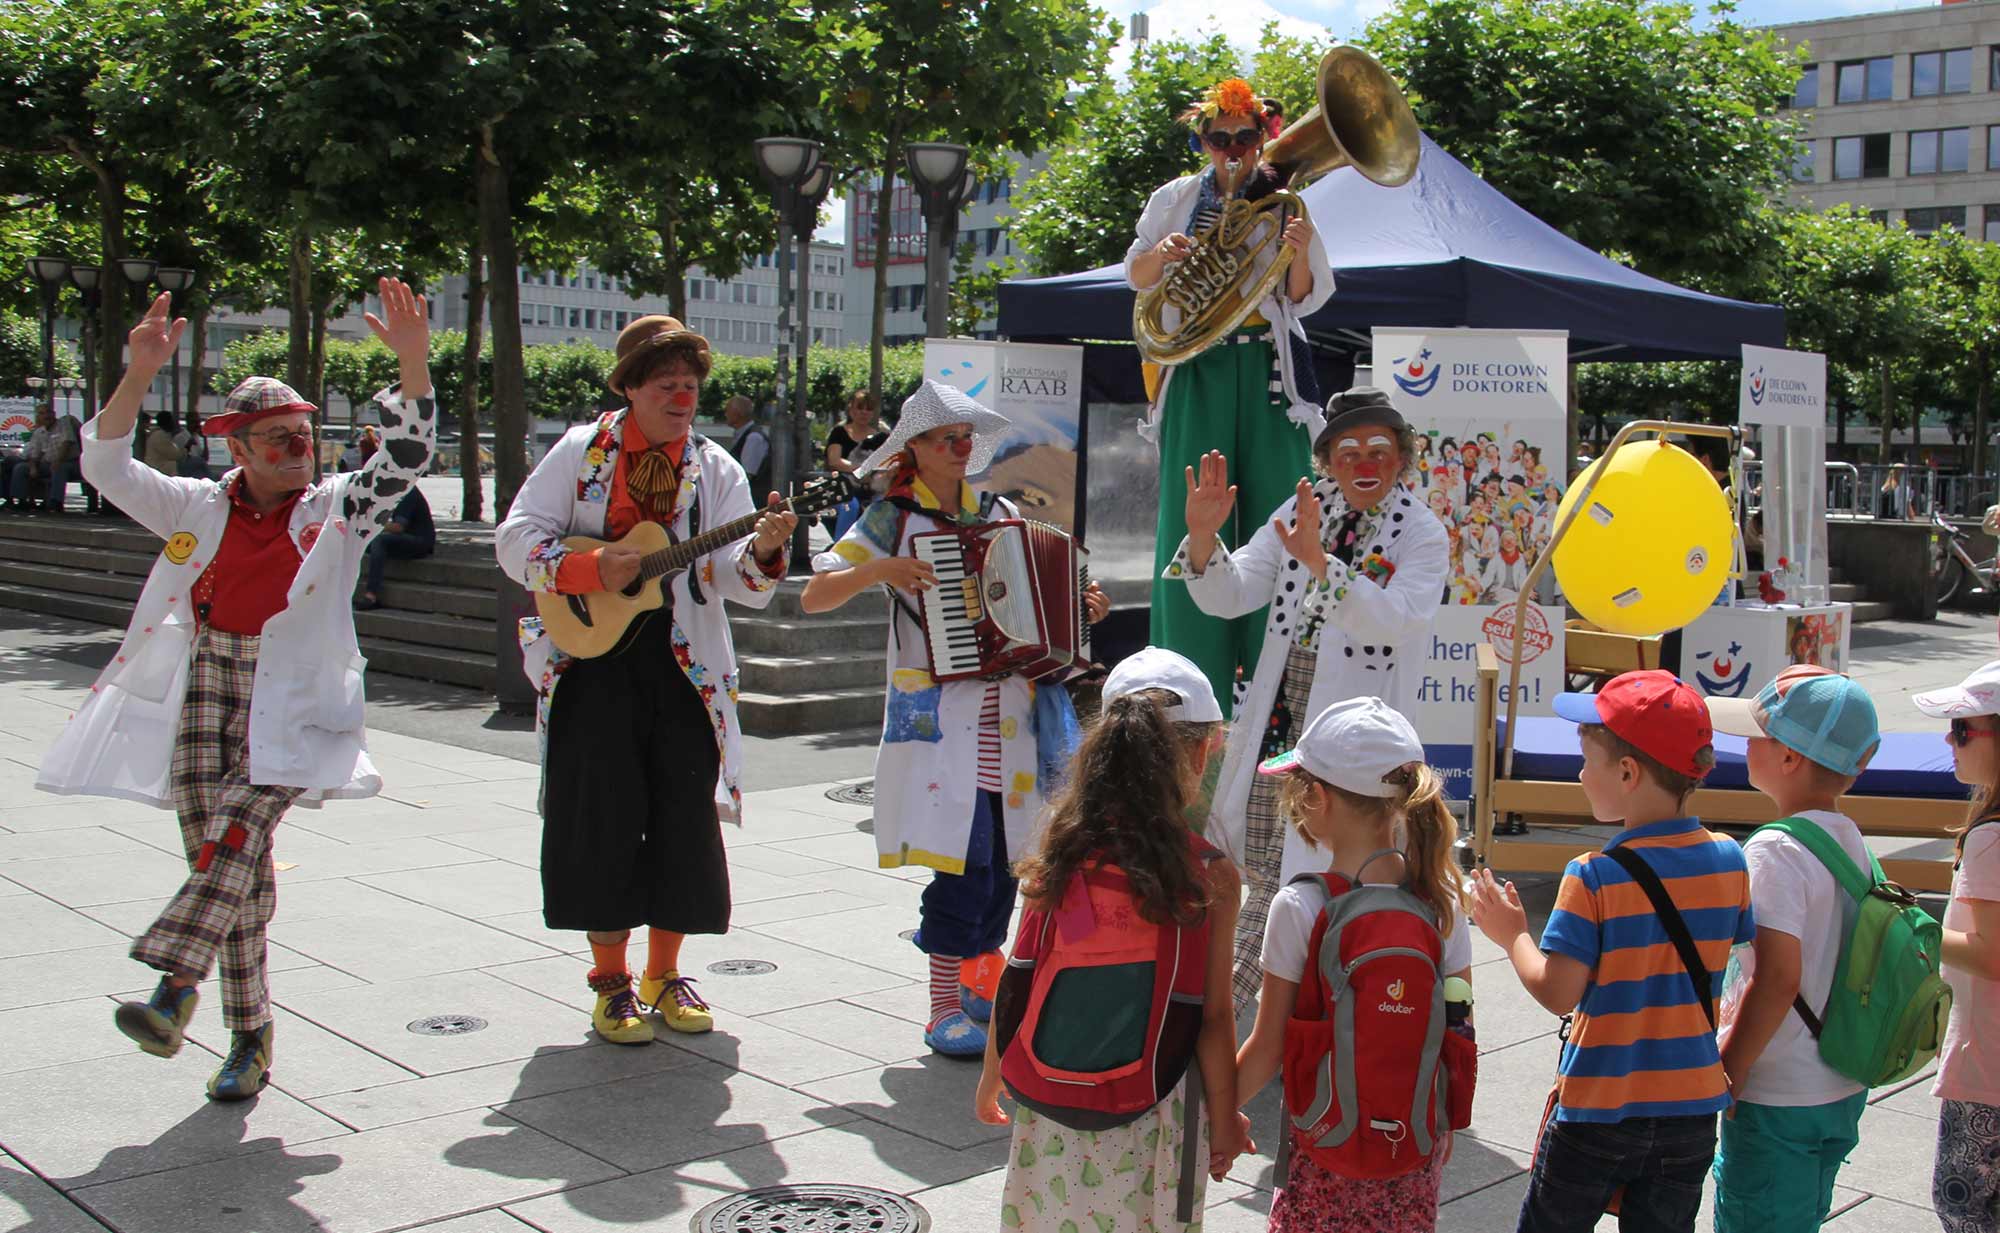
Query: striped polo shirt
1639	1045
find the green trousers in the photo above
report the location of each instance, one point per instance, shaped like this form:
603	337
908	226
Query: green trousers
1222	400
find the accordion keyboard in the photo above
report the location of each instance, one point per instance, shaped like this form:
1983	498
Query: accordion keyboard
951	608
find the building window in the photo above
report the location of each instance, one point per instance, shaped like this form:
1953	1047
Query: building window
590	281
1861	158
750	294
542	314
1939	150
575	318
1865	81
1806	93
1993	224
1802	162
525	276
527	314
589	318
545	279
1993	148
1925	221
1941	72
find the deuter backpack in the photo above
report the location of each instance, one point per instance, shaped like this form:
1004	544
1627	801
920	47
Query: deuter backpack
1373	1081
1885	1015
1099	1010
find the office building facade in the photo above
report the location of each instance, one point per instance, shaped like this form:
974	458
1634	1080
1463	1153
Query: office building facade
1902	115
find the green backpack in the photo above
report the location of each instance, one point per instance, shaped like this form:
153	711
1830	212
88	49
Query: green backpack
1886	1012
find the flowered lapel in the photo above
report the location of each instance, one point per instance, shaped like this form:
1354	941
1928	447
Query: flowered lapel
600	461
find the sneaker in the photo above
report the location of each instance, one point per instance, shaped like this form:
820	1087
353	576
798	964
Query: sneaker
159	1024
979	984
679	1005
247	1068
616	1016
956	1035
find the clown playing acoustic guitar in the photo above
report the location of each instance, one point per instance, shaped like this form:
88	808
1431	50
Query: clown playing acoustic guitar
586	626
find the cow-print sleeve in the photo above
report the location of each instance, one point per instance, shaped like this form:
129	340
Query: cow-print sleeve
409	436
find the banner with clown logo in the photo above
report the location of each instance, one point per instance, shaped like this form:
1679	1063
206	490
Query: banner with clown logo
1490	410
17	420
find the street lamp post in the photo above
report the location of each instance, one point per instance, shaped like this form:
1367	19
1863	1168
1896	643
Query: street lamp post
787	162
943	182
138	272
88	280
174	280
806	201
49	274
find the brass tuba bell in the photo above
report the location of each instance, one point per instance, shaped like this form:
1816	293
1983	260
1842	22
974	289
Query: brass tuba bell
1361	120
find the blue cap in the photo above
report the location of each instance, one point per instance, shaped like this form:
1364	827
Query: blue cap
1822	715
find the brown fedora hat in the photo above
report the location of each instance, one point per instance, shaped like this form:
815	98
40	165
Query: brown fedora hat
647	335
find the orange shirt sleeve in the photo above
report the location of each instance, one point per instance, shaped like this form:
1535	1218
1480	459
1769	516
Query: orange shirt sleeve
577	575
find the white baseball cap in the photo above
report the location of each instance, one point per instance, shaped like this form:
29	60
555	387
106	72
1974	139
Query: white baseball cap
1353	745
1978	694
1155	667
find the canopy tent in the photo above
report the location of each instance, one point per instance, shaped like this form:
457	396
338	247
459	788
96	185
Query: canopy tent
1445	250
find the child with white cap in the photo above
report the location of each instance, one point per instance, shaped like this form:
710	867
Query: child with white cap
1965	1183
1117	869
1357	788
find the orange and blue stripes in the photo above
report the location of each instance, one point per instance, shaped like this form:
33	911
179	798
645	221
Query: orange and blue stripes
1640	1045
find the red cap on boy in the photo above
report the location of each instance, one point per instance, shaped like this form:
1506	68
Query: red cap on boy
1654	711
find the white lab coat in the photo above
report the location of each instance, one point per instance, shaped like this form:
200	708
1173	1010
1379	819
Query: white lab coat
569	494
306	703
1168	211
1373	643
926	767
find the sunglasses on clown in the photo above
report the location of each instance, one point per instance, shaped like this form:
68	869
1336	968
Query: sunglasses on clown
1237	139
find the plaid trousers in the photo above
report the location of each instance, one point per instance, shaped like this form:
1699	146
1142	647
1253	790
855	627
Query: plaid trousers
226	822
1264	837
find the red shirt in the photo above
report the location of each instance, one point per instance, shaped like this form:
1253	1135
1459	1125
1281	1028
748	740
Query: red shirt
247	579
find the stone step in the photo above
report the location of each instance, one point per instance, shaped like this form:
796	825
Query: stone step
786	674
78	557
427	629
478	604
43	602
391	656
121	587
1846	593
1872	610
822	711
834	632
81	531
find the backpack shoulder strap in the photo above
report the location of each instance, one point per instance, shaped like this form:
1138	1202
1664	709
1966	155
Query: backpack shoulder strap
1830	854
1670	919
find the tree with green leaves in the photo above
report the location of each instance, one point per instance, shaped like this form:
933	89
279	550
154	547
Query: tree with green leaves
1622	123
1963	277
913	70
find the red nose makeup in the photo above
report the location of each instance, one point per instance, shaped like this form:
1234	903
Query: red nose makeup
961	447
298	445
683	401
1368	470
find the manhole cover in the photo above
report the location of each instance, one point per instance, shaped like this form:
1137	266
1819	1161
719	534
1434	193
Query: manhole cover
447	1025
862	793
813	1209
746	967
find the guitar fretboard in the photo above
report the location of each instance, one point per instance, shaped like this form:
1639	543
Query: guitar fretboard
682	555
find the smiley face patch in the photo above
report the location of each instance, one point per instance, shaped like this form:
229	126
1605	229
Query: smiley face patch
180	546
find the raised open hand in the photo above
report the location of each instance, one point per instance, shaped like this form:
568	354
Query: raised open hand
405	323
1210	496
1301	538
156	335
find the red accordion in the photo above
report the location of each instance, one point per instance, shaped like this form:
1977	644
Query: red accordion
1009	598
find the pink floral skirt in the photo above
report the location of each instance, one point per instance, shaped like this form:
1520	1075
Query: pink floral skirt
1317	1201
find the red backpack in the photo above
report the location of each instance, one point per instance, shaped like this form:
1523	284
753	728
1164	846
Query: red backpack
1099	1009
1372	1078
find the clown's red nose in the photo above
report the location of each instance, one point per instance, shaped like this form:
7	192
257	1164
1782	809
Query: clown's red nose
961	447
298	445
683	400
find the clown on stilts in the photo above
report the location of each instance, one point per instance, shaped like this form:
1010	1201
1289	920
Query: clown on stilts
1252	395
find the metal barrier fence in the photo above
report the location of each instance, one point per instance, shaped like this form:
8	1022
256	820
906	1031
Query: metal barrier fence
1857	490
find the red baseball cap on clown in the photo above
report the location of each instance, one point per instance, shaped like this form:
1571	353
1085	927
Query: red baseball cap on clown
255	398
1654	711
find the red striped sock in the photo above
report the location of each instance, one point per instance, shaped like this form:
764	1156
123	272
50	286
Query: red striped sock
944	986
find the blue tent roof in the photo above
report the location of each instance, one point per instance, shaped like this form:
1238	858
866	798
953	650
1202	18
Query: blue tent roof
1447	249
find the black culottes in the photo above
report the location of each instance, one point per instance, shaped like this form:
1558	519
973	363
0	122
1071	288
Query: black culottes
630	833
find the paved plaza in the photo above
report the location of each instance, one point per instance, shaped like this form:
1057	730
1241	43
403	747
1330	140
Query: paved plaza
423	904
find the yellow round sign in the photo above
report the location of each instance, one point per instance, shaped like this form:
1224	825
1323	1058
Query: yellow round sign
1653	547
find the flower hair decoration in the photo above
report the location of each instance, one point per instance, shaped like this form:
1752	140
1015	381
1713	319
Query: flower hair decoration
1234	97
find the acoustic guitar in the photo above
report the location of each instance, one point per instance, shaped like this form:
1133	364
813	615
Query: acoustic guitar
587	626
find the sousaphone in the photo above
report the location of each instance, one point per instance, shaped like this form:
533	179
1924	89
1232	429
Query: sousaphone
1361	120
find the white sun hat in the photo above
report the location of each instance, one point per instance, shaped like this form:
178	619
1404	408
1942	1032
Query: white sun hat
1155	667
936	405
1353	745
1978	694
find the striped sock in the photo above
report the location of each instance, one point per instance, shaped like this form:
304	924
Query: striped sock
944	986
